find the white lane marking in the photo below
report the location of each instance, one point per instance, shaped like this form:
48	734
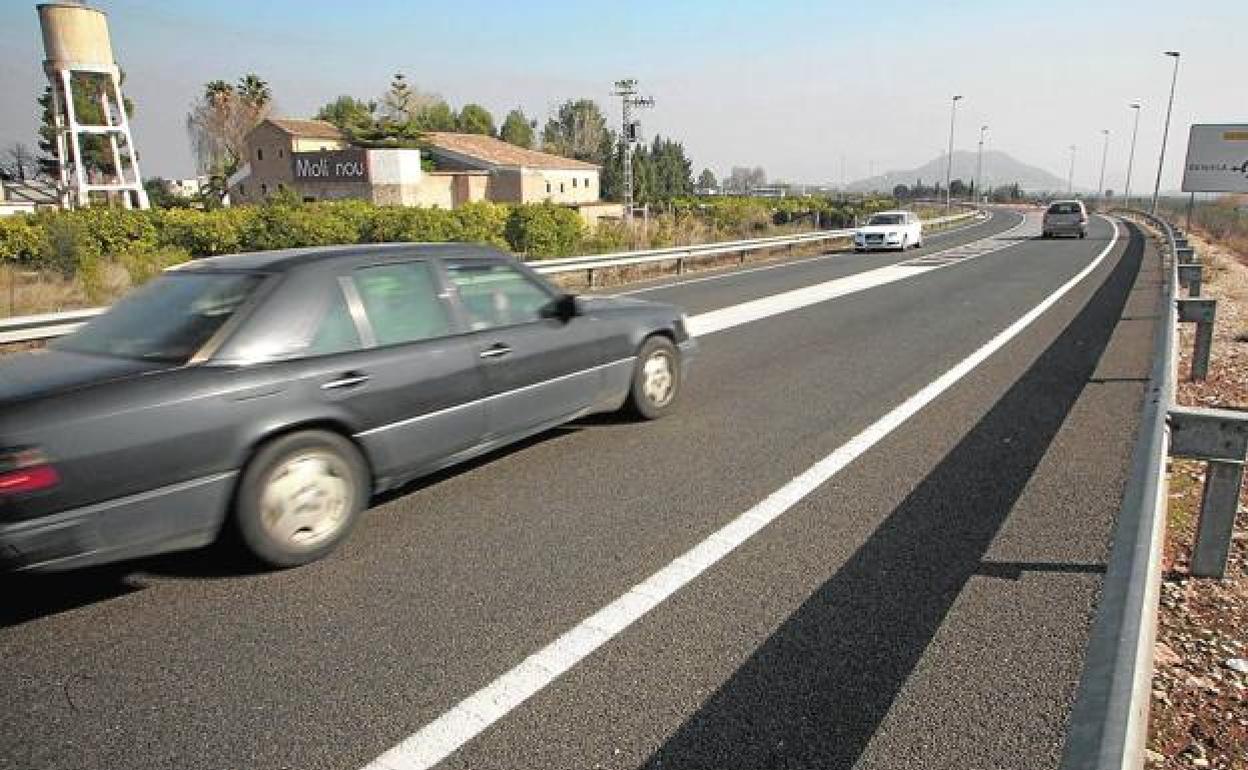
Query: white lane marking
446	734
765	307
789	263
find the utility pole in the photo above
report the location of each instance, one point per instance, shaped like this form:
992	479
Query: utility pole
1104	156
1070	181
953	114
627	91
1165	135
1131	158
979	163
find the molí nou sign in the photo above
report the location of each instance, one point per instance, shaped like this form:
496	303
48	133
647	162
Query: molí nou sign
330	166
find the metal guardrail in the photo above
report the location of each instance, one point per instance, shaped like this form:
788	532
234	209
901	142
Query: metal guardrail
32	328
1109	721
40	327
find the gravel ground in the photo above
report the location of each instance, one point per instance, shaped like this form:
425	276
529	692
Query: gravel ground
1199	716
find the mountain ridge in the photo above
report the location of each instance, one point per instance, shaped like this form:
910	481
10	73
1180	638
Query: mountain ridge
1000	168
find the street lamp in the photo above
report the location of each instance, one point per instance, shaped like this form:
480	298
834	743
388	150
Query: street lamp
1166	133
953	114
1104	155
1131	159
979	162
1070	180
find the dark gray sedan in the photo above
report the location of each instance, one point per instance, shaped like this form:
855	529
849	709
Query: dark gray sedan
272	394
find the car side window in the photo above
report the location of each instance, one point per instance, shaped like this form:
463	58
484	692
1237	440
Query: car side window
336	333
496	294
401	302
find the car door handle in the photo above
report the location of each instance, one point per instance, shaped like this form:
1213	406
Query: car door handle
495	351
348	380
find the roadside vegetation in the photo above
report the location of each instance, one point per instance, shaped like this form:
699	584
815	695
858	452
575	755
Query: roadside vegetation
61	260
1199	715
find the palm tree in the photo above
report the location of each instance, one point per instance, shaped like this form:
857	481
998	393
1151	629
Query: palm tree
254	90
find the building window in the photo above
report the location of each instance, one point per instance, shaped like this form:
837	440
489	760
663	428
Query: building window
259	153
281	153
242	190
561	187
264	189
586	183
281	186
548	187
573	183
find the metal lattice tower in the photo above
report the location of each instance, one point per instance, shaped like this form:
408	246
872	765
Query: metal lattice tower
77	45
627	91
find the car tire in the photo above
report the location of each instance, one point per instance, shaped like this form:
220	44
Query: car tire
656	379
300	497
1082	234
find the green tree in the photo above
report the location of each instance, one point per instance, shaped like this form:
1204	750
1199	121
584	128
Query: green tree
475	119
221	119
517	129
706	180
576	131
96	151
434	117
352	116
901	192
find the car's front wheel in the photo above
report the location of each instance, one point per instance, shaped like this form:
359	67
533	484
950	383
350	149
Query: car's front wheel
300	497
656	379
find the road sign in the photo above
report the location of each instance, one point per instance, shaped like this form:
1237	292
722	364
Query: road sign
1217	159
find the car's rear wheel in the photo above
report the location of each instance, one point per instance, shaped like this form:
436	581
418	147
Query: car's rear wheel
656	379
300	497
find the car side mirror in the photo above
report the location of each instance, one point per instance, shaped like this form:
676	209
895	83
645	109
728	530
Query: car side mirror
565	308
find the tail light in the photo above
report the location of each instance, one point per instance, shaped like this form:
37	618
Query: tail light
26	469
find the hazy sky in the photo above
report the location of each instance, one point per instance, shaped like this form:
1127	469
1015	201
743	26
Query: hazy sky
790	86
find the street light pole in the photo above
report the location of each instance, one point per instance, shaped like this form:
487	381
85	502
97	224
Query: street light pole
979	164
1166	133
953	114
1104	156
1070	180
1131	159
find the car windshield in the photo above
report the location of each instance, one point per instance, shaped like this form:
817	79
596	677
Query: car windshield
885	219
168	320
1064	208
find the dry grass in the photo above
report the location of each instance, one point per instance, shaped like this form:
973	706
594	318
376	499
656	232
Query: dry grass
30	292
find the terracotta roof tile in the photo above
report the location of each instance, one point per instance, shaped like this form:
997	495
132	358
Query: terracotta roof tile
313	129
495	152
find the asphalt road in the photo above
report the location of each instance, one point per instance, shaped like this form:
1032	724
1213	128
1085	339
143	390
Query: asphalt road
926	607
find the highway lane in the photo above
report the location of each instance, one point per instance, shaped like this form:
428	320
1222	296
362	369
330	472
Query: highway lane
184	661
709	290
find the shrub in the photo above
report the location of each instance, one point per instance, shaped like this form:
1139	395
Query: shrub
544	230
21	239
483	222
201	233
69	247
142	266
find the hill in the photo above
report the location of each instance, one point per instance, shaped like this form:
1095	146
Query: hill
999	169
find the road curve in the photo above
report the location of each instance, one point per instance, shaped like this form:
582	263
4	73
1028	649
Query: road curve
925	607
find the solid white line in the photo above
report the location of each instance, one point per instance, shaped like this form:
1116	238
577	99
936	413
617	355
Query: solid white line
789	263
446	734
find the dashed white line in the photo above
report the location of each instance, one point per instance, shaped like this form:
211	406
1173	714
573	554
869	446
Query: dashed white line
446	734
788	263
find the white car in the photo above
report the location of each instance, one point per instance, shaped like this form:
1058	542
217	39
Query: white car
890	230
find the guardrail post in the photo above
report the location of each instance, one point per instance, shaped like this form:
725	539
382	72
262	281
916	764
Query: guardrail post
680	266
1219	437
1191	277
1200	311
589	277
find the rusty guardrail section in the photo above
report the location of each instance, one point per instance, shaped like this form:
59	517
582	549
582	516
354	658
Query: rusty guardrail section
1109	720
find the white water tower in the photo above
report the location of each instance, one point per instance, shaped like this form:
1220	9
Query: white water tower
80	52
